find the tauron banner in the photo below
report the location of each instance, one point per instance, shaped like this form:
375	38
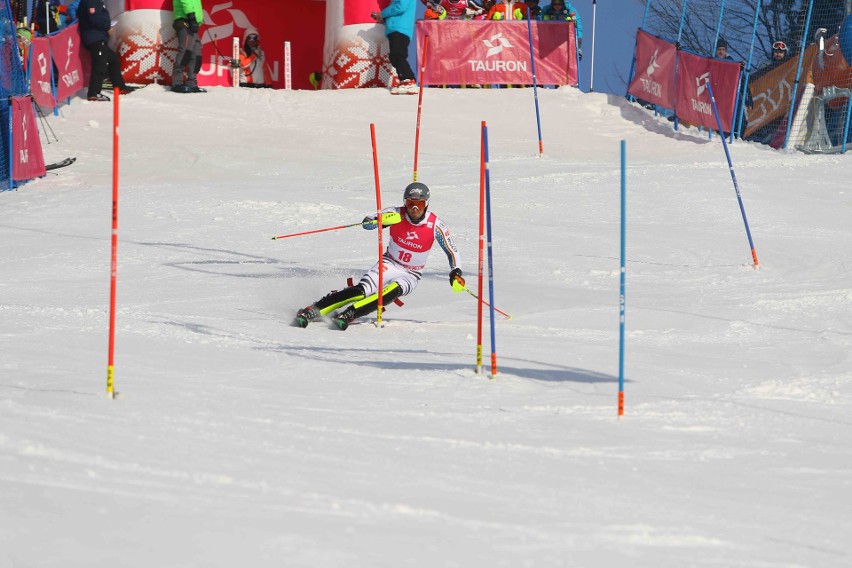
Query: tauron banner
28	161
693	96
66	56
654	80
41	67
487	53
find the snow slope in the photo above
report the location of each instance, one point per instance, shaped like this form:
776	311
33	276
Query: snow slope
237	440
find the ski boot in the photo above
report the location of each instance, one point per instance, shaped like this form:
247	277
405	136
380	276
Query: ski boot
344	318
306	316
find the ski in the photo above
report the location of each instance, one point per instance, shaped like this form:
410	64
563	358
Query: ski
61	164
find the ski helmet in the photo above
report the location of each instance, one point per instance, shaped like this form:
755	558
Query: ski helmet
416	190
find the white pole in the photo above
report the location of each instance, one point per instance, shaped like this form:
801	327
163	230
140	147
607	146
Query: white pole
594	14
288	67
235	69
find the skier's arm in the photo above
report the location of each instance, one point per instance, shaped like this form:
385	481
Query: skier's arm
448	245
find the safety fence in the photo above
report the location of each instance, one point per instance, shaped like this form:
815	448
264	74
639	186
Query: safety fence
794	56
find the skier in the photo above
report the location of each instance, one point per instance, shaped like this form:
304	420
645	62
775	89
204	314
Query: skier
411	239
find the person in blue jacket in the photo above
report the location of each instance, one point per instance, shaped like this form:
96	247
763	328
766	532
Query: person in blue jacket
95	25
398	19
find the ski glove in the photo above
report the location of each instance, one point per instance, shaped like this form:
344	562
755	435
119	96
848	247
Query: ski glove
456	280
369	223
192	23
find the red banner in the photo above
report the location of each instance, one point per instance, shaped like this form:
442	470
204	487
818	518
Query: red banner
693	96
66	56
358	11
654	80
28	161
497	52
41	68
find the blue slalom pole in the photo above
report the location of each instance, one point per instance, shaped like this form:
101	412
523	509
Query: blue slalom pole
622	303
535	93
731	169
490	254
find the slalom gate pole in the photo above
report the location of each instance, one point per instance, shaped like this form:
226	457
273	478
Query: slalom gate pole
481	301
594	15
420	104
733	174
622	304
481	246
114	247
490	254
379	220
535	89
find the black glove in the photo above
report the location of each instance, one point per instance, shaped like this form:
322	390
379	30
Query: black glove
579	54
377	17
235	63
192	23
456	279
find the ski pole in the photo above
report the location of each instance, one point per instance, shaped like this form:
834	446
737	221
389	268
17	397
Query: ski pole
390	218
487	304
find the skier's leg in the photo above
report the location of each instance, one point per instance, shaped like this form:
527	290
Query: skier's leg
368	305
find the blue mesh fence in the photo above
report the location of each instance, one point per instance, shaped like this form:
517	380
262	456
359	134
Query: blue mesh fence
796	58
12	83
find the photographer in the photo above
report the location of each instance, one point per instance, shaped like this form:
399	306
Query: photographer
188	17
253	62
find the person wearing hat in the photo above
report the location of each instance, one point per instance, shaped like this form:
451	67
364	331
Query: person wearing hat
252	62
413	232
722	50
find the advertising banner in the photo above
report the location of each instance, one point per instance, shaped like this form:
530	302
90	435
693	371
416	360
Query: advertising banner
497	52
65	47
693	97
28	161
654	80
41	67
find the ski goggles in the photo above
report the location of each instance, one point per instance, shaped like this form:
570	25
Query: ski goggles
420	204
253	37
779	46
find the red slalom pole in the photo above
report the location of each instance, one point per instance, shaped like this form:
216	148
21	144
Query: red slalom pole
420	104
481	246
114	260
379	219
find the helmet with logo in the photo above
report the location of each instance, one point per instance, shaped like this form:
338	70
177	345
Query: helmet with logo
416	190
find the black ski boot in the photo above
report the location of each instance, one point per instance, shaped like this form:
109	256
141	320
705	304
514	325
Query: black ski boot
344	318
306	316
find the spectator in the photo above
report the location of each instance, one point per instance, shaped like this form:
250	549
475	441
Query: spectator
722	50
531	10
507	10
73	8
188	17
447	9
411	239
398	19
47	16
253	62
560	10
95	27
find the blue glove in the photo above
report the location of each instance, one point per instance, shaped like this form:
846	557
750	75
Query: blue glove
369	223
